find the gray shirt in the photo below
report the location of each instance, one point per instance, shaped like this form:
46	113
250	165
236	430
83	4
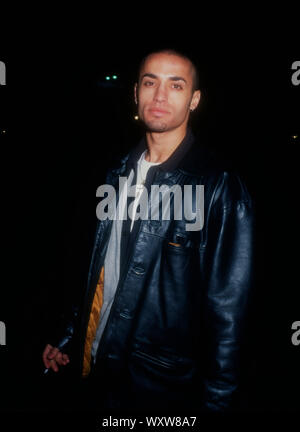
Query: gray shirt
111	269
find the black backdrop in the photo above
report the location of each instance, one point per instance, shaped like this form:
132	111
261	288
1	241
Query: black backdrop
64	126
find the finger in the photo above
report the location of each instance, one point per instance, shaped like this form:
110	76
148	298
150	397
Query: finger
65	359
59	358
47	349
54	366
46	362
45	355
53	353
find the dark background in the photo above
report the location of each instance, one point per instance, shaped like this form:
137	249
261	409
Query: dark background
64	126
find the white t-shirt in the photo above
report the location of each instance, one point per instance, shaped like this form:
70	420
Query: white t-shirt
142	169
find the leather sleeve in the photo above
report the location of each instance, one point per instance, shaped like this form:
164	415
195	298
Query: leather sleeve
227	264
65	327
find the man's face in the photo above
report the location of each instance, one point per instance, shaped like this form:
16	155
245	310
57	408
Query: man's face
165	93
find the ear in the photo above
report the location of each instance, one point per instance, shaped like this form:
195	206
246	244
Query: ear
135	93
195	100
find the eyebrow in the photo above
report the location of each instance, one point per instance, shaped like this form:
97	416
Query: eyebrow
171	78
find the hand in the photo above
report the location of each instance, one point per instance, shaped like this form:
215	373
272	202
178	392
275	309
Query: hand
53	358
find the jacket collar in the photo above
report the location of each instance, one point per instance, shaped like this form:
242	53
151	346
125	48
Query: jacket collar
191	156
174	159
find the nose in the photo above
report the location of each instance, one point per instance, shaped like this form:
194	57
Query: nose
160	94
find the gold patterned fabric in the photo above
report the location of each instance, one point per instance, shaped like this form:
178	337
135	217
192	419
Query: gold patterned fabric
93	324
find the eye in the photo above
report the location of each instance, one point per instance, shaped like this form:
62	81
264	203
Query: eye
177	86
148	83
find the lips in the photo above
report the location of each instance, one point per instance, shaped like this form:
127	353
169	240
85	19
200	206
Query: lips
158	112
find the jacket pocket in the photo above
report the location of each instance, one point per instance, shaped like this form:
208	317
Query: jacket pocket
177	248
157	361
174	244
182	242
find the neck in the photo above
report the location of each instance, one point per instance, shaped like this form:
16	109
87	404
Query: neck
161	145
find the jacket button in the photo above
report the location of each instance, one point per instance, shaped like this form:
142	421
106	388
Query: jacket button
139	270
181	239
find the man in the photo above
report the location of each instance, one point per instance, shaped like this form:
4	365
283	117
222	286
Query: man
172	295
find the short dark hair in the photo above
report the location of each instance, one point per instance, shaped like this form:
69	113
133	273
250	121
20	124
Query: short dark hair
178	53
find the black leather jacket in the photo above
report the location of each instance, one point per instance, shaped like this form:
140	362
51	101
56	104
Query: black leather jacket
176	326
